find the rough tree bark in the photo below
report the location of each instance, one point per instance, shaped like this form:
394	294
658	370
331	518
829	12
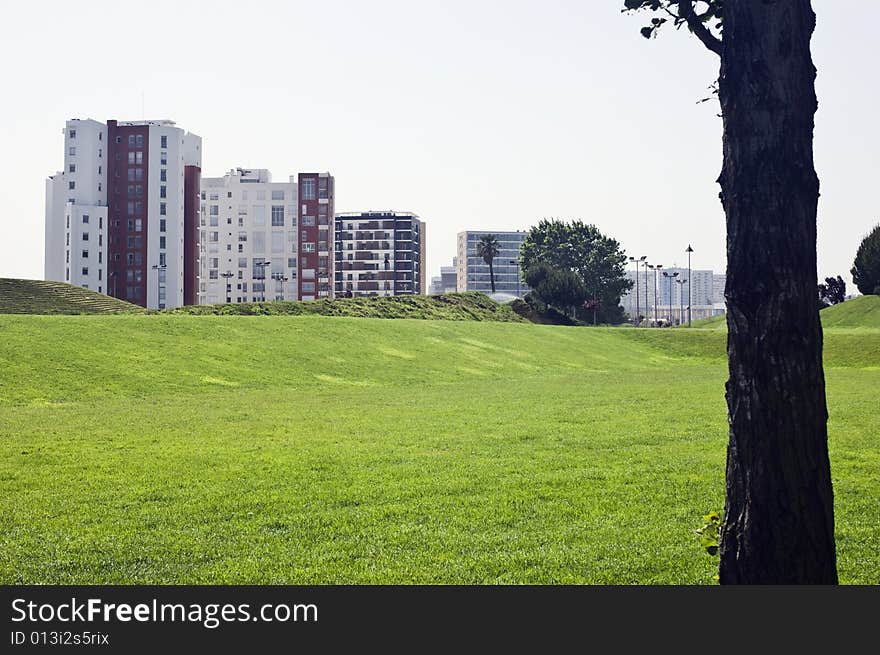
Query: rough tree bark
779	519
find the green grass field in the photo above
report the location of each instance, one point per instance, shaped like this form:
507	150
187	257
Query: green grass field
307	449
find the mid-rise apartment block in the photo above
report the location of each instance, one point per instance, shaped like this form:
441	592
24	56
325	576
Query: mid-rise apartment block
473	271
379	253
122	217
249	246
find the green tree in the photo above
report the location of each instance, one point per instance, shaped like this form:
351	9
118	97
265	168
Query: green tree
560	288
488	249
583	249
832	292
779	510
866	267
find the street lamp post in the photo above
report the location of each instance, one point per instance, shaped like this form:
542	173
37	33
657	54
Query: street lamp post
279	277
681	284
647	306
670	277
690	277
158	268
262	277
657	270
227	275
638	312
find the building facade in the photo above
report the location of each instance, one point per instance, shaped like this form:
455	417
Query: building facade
249	244
447	281
122	217
316	193
667	295
472	273
76	209
379	253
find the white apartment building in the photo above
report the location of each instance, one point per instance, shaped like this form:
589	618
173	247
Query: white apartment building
249	238
472	273
122	217
76	209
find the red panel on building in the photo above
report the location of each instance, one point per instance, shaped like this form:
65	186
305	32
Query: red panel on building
128	155
191	183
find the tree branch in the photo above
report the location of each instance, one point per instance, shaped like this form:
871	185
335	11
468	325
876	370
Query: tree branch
686	11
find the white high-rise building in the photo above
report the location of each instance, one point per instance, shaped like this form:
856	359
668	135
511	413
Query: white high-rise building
249	238
76	209
122	217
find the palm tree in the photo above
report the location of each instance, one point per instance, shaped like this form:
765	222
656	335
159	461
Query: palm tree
488	249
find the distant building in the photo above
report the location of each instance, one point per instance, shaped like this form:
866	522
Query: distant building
315	275
472	273
248	220
447	281
667	299
379	253
122	217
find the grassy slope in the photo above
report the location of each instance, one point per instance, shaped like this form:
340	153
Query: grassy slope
861	312
312	450
470	306
39	297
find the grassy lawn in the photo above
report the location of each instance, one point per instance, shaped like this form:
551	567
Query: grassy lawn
300	449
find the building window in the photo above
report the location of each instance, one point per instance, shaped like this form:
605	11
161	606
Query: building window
277	215
85	219
163	141
85	254
162	259
163	160
85	236
213	237
71	185
71	151
322	188
163	175
291	262
162	224
308	189
308	287
162	242
131	140
242	262
215	210
308	247
72	134
278	194
214	221
242	236
277	243
71	168
139	140
213	274
163	209
85	270
162	191
259	215
118	139
139	157
308	221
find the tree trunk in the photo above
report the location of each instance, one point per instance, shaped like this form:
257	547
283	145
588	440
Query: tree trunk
779	515
491	276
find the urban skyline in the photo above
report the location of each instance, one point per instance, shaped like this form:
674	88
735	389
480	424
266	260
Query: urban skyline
410	154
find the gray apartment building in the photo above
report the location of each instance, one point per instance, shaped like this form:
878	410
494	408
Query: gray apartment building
379	253
472	272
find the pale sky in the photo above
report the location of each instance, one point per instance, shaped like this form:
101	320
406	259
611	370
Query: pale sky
474	114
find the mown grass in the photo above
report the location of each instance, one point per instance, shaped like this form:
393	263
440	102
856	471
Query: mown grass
41	297
232	449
